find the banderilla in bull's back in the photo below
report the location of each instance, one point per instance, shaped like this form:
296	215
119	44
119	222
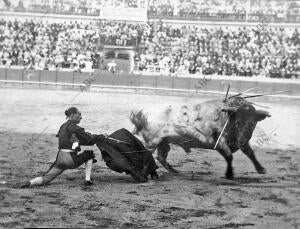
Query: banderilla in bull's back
225	126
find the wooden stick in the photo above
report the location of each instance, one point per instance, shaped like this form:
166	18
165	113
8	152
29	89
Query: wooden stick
235	95
222	132
227	93
273	93
250	89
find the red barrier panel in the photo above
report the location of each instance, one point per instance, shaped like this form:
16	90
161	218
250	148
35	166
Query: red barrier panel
31	75
181	83
65	77
283	87
222	85
258	87
147	81
200	83
105	78
133	80
48	76
3	75
126	80
80	78
14	74
163	81
121	80
294	89
246	85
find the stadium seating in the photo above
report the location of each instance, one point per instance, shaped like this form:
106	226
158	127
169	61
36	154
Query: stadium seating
224	51
163	49
207	10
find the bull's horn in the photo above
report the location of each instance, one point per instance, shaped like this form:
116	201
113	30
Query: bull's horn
263	113
229	109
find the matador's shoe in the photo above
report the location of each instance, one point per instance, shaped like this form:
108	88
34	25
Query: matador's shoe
88	182
22	184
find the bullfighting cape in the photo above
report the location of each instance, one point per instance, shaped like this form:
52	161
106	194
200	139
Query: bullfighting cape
129	155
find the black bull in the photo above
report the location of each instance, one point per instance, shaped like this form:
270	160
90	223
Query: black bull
225	126
128	155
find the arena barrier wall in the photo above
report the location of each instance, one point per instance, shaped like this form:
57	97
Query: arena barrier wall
188	85
198	23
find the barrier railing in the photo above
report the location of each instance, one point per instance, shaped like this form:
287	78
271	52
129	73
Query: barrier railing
190	84
199	16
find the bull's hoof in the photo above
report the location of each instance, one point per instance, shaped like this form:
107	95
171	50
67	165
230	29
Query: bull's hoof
173	171
154	175
139	178
143	180
229	175
261	170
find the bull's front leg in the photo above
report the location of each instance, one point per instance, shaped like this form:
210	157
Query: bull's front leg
246	149
225	151
162	154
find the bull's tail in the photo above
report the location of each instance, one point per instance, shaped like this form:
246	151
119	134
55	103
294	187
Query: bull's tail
139	120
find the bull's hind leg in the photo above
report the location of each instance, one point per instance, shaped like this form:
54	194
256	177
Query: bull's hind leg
162	154
246	149
225	151
154	175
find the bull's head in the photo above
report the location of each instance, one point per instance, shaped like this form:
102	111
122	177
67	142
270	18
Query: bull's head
257	114
245	118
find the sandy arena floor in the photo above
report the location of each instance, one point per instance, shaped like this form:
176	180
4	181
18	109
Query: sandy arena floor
197	198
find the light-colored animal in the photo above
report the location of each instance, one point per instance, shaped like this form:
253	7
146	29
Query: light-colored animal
228	123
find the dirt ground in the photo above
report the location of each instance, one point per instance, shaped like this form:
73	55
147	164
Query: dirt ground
199	197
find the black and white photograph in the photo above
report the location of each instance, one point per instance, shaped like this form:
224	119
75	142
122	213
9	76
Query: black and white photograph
150	114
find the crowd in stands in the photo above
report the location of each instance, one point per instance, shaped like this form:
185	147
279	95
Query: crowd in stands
121	34
225	9
271	52
231	10
44	45
194	9
163	49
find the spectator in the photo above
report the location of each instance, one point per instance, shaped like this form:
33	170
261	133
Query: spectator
112	66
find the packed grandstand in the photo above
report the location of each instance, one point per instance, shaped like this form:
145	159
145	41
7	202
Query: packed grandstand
233	10
160	47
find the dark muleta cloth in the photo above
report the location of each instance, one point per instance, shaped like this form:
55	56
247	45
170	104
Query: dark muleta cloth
133	158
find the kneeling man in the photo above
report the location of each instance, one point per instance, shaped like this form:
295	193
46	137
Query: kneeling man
70	137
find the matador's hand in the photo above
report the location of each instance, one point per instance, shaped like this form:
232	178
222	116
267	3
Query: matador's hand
102	137
105	135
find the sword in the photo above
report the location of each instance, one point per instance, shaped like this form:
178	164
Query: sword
118	141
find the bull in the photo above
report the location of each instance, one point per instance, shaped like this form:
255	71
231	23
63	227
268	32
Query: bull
225	126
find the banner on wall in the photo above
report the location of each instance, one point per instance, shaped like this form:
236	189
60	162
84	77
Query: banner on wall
124	14
130	10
